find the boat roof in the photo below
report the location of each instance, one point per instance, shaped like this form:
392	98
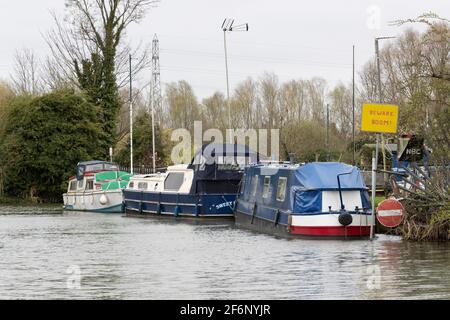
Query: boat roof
93	162
94	166
318	175
213	150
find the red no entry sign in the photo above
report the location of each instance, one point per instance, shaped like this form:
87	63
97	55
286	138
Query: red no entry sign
390	213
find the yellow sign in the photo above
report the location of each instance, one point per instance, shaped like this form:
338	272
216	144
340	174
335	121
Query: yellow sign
379	118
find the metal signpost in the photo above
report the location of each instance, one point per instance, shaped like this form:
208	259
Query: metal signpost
378	118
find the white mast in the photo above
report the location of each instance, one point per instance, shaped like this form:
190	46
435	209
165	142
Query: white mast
131	122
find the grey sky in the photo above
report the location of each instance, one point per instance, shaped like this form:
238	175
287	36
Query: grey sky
293	39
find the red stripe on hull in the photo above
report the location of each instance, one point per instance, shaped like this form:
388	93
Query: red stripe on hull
338	231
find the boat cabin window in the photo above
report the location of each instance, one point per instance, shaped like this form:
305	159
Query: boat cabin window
101	167
142	185
254	185
73	185
266	187
90	184
174	181
80	171
131	186
281	191
227	163
223	162
95	167
80	184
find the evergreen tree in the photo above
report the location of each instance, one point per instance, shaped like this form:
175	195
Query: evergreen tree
44	139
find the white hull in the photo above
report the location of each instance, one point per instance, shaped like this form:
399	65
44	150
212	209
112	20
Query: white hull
329	220
103	201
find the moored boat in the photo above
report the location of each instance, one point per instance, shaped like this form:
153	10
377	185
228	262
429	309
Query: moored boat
97	187
205	188
327	200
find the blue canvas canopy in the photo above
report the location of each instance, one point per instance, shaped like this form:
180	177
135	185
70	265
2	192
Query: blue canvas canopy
323	176
313	178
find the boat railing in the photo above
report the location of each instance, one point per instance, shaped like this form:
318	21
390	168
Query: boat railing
142	170
278	162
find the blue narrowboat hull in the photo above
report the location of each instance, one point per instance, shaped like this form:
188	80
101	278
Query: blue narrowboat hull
179	205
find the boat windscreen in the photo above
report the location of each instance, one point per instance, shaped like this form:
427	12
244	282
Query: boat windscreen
174	181
226	157
101	167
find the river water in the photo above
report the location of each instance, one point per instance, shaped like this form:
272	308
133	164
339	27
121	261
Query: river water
46	253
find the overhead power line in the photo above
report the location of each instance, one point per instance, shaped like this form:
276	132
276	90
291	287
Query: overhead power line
278	60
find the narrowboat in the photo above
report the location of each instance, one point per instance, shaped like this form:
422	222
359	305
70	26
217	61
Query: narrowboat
96	187
205	188
325	200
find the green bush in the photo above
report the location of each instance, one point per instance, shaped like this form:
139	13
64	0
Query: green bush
44	138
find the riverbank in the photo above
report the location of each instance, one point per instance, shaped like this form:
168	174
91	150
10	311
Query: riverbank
14	201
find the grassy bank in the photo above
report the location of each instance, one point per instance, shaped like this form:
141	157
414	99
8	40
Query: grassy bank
378	200
14	201
421	223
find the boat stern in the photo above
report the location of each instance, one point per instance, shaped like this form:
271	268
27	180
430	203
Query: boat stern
335	225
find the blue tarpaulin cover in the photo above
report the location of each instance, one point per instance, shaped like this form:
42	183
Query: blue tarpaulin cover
311	179
308	201
323	176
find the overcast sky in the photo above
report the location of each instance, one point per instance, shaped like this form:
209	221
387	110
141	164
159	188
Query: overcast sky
293	39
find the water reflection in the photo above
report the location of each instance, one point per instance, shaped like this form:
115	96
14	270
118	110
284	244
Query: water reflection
127	258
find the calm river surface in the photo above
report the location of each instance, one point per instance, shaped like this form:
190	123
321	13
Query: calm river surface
45	251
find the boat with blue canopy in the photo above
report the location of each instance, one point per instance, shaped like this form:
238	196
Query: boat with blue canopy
304	200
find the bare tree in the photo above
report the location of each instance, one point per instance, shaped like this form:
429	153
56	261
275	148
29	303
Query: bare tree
89	51
292	101
96	27
269	90
213	110
316	88
438	33
182	105
341	109
26	77
244	103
